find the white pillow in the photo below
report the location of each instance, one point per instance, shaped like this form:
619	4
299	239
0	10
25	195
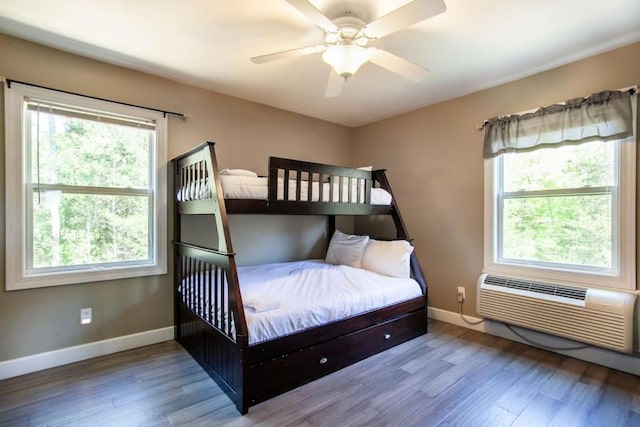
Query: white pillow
366	168
388	258
238	172
346	249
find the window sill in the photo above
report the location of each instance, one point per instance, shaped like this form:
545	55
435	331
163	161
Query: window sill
70	278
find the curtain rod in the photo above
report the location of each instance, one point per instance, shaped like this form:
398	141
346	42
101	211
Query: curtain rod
633	90
164	112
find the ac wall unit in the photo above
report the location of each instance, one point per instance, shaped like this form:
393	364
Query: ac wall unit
594	316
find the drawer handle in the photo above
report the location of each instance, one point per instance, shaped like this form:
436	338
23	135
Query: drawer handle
387	336
323	360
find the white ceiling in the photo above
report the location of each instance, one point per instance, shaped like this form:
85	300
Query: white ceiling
475	44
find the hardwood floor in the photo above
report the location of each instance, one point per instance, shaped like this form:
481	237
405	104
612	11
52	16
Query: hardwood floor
450	377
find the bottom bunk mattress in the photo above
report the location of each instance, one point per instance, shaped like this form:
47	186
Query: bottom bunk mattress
284	298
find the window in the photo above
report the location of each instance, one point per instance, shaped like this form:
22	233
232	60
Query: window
86	192
564	213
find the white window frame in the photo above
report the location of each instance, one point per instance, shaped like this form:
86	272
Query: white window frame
622	276
17	203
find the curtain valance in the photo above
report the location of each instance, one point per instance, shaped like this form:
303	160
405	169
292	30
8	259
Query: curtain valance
605	115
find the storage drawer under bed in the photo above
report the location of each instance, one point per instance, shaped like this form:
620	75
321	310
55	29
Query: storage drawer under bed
276	376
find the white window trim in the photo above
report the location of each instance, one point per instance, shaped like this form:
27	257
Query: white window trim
16	277
624	279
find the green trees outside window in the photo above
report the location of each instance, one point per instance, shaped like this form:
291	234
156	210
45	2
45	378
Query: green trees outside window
558	205
89	189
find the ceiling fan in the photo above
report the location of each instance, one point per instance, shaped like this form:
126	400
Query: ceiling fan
347	37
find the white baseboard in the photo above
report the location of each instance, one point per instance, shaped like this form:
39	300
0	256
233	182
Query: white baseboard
51	359
611	359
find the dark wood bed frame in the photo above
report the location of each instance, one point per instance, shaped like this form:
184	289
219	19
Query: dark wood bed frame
250	374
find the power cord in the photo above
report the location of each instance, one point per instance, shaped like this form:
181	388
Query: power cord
545	347
468	322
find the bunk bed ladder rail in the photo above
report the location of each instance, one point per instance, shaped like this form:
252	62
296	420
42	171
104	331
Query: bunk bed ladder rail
209	323
380	177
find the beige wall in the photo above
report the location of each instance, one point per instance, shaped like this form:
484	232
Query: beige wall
35	321
434	162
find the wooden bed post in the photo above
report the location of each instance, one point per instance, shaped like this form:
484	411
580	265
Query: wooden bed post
224	244
331	228
401	229
177	273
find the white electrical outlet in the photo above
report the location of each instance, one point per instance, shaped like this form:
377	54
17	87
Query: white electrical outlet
85	316
461	294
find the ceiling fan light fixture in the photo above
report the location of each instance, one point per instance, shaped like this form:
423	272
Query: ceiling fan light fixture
346	59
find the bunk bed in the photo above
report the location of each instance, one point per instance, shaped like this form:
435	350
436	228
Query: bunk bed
213	314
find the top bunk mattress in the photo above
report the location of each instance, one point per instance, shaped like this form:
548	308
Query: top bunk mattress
284	298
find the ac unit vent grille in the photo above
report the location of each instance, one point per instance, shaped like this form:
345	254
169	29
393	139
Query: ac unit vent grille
538	287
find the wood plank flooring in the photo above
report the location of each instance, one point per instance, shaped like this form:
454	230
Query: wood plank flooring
450	377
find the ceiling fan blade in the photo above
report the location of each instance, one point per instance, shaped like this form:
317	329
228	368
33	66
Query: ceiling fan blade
314	15
285	54
334	85
398	65
404	16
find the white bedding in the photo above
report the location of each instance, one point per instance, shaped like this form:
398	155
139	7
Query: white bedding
285	298
250	187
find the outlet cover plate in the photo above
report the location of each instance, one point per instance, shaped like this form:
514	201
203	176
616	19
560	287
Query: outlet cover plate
85	316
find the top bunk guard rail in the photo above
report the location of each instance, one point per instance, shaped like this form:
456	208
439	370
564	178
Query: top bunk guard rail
300	187
193	170
346	185
318	189
199	189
